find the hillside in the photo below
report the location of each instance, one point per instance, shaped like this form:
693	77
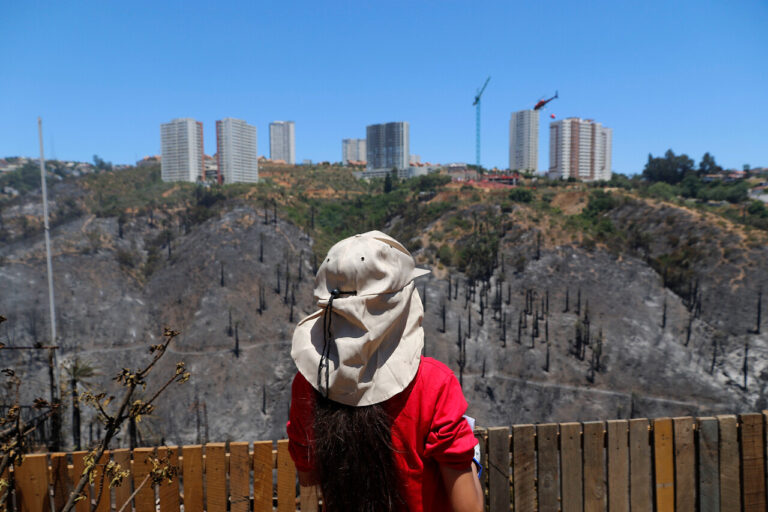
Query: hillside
571	302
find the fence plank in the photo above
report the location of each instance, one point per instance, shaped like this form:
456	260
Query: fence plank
31	479
239	477
62	482
753	464
101	483
570	466
594	467
286	478
215	477
169	491
730	482
122	491
78	466
663	451
498	469
308	498
262	475
639	465
709	480
685	465
524	467
548	468
144	501
192	476
618	465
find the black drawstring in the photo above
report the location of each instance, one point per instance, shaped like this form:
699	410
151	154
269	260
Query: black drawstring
324	358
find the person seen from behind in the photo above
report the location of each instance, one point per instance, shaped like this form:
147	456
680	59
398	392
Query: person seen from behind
373	423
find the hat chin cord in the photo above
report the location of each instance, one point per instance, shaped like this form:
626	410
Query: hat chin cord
327	338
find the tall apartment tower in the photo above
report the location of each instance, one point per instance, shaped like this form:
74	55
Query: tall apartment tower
282	141
236	151
388	145
524	141
581	149
182	149
353	150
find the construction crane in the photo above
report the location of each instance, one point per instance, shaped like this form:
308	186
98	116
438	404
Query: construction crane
476	104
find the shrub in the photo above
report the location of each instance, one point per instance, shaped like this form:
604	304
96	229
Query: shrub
521	195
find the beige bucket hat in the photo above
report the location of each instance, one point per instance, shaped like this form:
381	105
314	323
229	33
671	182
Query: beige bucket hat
363	346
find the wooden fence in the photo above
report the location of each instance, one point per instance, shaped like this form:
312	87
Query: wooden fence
666	464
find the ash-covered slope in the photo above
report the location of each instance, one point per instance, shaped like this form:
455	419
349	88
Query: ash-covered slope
223	284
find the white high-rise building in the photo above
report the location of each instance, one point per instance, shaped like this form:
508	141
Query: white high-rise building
388	146
580	149
182	148
236	151
282	141
353	150
524	141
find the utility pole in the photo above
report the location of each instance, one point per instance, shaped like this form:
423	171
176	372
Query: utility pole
53	365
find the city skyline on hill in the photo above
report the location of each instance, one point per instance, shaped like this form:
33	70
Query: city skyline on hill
103	77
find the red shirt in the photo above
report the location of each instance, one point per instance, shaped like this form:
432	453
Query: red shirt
428	430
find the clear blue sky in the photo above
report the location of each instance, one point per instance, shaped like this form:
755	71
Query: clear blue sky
686	75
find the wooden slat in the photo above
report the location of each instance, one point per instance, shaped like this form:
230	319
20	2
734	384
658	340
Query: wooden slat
61	480
122	491
239	477
709	480
498	469
100	482
215	477
548	468
286	478
753	464
78	466
765	444
730	481
594	467
482	438
308	498
169	491
570	466
31	479
262	475
144	501
524	467
664	464
685	465
639	465
618	465
192	477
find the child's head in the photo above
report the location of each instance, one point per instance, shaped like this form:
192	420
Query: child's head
364	345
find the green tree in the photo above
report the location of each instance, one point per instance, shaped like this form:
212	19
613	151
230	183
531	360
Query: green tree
708	165
669	169
388	183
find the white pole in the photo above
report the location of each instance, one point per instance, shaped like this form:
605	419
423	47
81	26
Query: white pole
47	234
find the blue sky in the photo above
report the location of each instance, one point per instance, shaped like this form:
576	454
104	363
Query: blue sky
686	75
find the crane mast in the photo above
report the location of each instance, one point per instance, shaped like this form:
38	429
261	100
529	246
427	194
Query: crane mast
477	121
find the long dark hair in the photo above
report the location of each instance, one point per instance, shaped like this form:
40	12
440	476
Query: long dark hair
355	457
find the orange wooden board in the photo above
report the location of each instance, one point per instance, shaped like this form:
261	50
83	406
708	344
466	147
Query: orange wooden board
286	478
168	492
640	491
617	454
239	477
262	475
753	463
192	477
524	467
685	465
144	501
664	476
570	467
123	491
548	467
215	477
730	470
31	479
